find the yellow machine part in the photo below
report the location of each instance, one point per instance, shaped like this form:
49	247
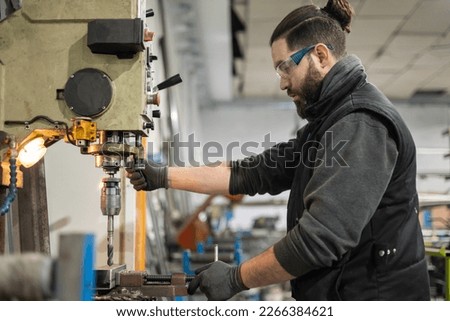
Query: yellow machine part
84	130
43	44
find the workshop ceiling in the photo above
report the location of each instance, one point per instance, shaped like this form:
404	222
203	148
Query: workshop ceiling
404	46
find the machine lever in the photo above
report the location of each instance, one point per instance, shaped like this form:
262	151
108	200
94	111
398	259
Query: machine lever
172	81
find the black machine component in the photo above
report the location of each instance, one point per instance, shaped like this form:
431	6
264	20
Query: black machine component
88	92
172	81
8	7
121	37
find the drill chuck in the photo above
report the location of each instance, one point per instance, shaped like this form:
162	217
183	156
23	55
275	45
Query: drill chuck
110	196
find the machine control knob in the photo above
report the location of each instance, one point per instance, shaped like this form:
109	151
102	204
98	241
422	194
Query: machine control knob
148	35
149	125
156	113
153	99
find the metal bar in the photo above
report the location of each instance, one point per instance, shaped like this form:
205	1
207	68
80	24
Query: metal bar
75	278
447	278
10	231
165	278
33	211
2	222
156	248
2	234
106	276
141	228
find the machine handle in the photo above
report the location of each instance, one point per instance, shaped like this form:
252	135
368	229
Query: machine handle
172	81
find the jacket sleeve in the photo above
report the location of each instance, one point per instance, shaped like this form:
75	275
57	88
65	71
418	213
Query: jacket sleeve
341	196
269	172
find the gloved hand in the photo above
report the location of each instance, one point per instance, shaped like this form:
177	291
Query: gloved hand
218	281
154	176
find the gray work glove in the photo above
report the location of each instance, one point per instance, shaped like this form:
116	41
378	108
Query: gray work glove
154	176
218	281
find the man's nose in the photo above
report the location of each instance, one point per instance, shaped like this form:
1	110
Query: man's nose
284	83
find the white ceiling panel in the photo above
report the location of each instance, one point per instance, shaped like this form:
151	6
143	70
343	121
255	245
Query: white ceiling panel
364	53
407	44
441	80
445	40
381	80
440	51
368	31
404	44
387	63
406	84
430	17
401	52
387	7
432	59
261	10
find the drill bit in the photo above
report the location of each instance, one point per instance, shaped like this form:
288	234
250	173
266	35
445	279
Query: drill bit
110	239
110	205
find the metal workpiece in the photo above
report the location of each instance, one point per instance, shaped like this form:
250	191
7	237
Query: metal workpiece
140	285
107	276
157	285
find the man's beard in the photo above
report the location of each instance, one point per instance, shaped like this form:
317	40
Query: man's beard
310	91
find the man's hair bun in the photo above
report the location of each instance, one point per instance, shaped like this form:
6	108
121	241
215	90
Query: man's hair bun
341	11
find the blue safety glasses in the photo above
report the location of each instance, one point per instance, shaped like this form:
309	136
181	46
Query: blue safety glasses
285	68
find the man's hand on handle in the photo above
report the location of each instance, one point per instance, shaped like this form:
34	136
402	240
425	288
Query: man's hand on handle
218	281
154	176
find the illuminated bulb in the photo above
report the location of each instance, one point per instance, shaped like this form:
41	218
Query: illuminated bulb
32	152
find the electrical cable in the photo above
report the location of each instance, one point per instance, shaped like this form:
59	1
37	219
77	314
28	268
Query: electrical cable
12	191
42	117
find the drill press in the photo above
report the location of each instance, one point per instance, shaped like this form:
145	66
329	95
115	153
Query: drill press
94	72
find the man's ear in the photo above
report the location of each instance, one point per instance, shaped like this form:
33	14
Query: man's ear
325	56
